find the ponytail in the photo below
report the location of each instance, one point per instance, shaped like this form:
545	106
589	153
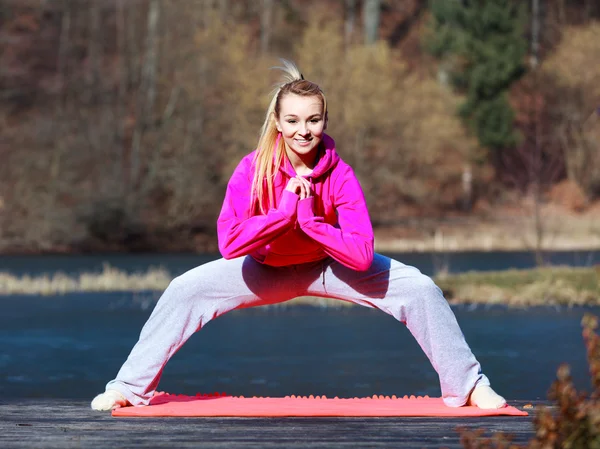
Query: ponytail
270	150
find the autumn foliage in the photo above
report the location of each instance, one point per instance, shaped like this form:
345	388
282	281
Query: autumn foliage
122	121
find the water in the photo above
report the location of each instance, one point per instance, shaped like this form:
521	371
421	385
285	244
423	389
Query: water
70	346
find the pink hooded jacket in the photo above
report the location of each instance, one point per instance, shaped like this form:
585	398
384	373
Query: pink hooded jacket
333	222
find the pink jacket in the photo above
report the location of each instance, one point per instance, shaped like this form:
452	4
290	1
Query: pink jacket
333	222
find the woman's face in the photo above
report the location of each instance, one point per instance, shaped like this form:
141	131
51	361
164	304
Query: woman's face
301	123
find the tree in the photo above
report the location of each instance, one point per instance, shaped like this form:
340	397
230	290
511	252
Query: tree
482	47
535	33
371	17
391	125
349	21
576	98
266	17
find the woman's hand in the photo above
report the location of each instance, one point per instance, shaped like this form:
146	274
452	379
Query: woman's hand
294	185
307	187
300	186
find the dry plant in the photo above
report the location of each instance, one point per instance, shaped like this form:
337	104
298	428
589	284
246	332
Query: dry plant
110	279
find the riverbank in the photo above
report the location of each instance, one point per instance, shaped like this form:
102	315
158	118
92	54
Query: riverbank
544	286
547	286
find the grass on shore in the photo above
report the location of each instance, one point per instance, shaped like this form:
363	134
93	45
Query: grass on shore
108	280
565	286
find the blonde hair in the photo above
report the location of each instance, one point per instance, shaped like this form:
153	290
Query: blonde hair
269	152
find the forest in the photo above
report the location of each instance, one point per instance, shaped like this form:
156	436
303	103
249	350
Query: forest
122	120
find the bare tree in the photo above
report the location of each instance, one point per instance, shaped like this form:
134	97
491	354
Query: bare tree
61	70
147	92
350	20
94	43
536	163
578	134
266	19
589	7
120	101
132	46
371	18
535	33
223	9
562	11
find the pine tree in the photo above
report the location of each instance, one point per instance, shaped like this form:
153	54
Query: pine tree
482	46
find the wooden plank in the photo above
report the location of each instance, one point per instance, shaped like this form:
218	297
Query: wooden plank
50	423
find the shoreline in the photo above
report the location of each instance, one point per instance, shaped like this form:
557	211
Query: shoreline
389	240
482	239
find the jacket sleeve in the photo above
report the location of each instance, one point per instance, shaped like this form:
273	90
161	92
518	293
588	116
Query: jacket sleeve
351	242
239	233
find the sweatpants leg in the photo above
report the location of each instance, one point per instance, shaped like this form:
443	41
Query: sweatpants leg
190	301
412	298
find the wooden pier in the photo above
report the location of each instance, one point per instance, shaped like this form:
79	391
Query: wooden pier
52	423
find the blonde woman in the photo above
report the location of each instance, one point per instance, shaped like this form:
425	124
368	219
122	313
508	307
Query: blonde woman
294	223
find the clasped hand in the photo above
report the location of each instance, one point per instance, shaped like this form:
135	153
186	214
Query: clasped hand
300	186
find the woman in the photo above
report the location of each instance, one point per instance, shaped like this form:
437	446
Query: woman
294	223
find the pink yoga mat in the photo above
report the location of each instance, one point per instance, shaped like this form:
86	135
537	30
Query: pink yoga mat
164	404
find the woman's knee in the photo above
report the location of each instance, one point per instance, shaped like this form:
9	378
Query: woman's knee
427	285
420	288
177	284
430	290
186	286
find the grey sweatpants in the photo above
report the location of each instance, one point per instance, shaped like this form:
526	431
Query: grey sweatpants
208	291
